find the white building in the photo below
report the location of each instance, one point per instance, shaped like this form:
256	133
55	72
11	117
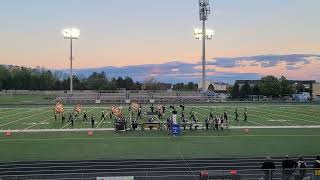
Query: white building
213	86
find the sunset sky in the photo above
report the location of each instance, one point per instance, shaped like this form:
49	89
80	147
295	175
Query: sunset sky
134	32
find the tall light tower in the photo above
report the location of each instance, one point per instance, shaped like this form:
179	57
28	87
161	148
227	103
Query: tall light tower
71	33
204	11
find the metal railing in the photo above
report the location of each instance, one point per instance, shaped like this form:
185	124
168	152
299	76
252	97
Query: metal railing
192	174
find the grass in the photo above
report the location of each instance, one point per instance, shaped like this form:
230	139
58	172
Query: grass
147	145
41	117
158	144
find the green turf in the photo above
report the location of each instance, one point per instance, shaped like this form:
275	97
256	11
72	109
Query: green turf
156	144
25	99
41	117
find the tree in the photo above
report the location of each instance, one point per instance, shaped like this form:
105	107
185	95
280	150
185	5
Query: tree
245	90
300	88
285	87
235	91
270	86
256	90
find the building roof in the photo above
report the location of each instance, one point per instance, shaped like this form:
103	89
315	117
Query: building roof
291	81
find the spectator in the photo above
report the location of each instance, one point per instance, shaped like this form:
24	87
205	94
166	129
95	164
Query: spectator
316	167
288	167
302	168
268	167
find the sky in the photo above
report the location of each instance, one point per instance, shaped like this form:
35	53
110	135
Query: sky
127	32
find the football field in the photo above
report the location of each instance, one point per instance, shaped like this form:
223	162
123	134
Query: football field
259	115
274	129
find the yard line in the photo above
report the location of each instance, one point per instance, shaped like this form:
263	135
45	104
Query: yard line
268	119
24	118
8	110
290	112
16	114
37	124
160	137
287	116
74	120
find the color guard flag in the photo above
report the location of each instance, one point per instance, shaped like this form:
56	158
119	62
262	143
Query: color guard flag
59	108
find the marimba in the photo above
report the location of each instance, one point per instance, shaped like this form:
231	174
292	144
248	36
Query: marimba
151	125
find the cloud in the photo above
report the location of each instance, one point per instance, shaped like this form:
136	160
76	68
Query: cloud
223	69
263	60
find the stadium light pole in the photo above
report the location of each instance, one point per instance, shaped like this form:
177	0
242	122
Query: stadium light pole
71	33
204	11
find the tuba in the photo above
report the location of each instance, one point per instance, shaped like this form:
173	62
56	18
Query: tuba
59	108
135	107
160	109
117	111
77	108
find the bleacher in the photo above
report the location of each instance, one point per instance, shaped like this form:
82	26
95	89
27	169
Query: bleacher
137	96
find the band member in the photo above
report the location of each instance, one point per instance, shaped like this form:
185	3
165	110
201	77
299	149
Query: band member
216	123
245	114
184	123
237	115
70	117
102	115
182	115
76	115
150	119
134	124
151	108
182	107
207	123
225	116
164	108
92	121
72	122
110	114
169	123
139	113
55	115
211	114
62	118
191	114
222	121
159	115
84	116
172	107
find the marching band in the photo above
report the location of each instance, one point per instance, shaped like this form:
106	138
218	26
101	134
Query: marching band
212	121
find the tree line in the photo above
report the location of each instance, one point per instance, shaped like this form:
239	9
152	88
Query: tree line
269	86
22	78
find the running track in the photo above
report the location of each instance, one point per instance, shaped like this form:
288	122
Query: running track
178	169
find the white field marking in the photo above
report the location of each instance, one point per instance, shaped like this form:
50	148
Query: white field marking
287	116
290	112
37	124
16	114
75	119
8	111
24	118
234	116
112	129
102	120
251	109
280	120
313	111
160	137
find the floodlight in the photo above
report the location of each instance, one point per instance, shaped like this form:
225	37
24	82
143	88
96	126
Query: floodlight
197	32
203	34
71	33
